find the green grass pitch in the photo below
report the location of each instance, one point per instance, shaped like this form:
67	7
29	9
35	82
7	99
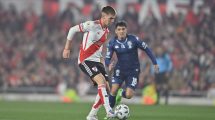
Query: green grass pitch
78	111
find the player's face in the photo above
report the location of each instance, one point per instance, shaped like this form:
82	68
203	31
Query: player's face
109	19
121	32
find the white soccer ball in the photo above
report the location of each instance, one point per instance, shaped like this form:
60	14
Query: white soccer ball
122	112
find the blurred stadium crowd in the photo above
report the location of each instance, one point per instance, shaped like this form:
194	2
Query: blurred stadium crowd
31	47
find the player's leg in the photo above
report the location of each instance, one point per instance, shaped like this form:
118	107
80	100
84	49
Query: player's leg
108	87
129	93
166	88
112	96
86	68
98	103
131	83
90	68
166	93
112	99
104	73
93	113
102	69
113	93
116	83
159	81
100	80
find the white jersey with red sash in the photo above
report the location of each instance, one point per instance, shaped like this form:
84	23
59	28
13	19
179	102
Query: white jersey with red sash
93	39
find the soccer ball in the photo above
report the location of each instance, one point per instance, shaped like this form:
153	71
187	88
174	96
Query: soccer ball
122	112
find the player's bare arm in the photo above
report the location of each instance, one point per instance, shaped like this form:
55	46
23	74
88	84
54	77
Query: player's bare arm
102	60
156	68
66	51
111	66
68	45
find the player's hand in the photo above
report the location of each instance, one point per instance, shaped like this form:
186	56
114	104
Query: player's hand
66	53
111	66
156	68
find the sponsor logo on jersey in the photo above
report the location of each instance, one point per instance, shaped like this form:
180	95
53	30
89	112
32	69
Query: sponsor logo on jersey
144	45
129	44
122	46
116	46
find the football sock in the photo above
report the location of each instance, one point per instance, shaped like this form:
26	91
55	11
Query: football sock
104	97
166	94
112	100
96	106
158	97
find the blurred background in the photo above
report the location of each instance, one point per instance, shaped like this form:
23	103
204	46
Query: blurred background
33	34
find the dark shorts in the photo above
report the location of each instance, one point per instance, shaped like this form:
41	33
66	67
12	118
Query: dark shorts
92	69
160	78
131	78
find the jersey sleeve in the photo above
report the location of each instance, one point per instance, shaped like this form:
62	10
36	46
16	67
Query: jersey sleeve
86	26
109	53
72	31
142	45
82	27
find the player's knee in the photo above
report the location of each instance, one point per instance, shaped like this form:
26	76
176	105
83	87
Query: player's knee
129	95
113	92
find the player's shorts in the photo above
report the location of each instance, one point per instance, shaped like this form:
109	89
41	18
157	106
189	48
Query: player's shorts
160	78
92	69
131	78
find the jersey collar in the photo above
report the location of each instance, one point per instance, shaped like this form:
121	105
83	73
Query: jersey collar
122	41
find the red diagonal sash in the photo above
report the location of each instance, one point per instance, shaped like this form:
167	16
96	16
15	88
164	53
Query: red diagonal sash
93	48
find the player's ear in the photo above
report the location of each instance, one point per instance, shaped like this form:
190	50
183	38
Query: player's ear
126	29
116	31
102	15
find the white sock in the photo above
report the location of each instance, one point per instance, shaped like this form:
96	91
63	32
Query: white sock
96	106
104	97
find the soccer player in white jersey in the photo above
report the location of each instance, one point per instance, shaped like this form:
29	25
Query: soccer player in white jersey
90	58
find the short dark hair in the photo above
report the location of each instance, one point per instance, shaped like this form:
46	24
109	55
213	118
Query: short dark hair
121	23
109	10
